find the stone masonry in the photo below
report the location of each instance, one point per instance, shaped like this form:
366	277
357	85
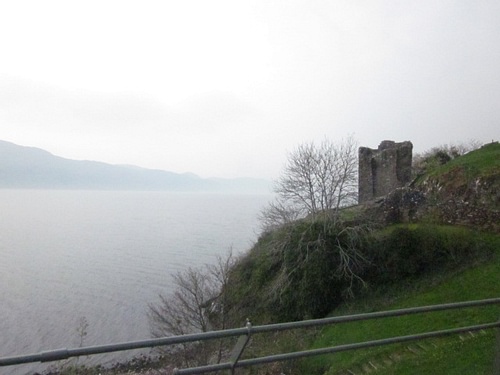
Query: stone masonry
384	169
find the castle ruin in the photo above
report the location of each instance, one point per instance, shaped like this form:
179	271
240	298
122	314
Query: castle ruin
384	169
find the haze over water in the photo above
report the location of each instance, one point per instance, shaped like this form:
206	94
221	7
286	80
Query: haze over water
104	256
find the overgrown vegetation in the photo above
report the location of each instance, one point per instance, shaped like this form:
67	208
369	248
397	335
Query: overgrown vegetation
474	279
307	276
410	251
301	271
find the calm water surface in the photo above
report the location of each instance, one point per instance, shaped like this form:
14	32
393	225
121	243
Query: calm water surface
104	256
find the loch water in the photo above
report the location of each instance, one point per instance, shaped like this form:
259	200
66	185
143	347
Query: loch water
103	256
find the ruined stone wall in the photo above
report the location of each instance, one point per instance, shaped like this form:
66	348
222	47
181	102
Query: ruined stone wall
384	169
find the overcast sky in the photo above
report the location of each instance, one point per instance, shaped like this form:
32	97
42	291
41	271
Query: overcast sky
227	88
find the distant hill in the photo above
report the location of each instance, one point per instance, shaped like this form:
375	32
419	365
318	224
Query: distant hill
33	168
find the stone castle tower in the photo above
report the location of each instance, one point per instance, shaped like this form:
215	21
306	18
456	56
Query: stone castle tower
384	169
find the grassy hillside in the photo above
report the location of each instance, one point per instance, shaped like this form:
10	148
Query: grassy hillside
464	191
482	162
295	273
474	279
291	274
464	354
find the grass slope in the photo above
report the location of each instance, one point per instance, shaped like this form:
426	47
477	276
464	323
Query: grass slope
457	278
465	354
481	162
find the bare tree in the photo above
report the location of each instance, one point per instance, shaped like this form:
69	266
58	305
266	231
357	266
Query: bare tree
351	259
196	305
278	213
316	179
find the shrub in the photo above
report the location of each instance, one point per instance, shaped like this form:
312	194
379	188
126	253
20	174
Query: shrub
410	251
299	271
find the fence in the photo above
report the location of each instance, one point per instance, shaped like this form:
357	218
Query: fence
245	333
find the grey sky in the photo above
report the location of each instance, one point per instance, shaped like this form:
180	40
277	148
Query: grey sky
227	88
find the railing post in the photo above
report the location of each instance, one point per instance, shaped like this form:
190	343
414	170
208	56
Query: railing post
240	347
496	365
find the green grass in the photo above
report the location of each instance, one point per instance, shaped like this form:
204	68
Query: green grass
442	356
477	163
470	355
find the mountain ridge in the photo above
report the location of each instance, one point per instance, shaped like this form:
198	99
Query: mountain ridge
25	167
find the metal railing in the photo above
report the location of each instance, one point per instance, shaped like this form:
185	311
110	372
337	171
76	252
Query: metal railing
245	333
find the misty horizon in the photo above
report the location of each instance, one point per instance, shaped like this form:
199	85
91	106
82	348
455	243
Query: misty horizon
32	167
229	88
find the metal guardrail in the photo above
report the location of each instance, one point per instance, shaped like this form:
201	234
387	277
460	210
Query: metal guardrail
245	333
